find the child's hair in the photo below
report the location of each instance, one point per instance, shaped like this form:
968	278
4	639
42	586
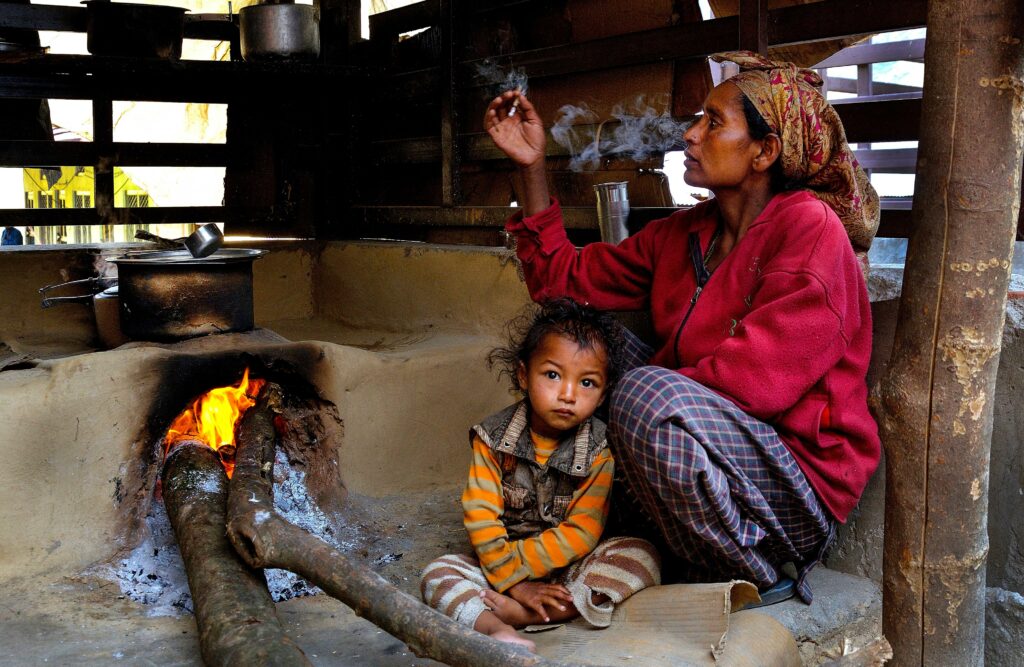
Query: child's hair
583	324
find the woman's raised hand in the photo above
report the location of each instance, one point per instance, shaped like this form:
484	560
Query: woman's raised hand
521	134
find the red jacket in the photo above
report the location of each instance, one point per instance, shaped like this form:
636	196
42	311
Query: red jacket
782	328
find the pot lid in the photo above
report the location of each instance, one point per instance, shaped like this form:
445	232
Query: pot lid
222	256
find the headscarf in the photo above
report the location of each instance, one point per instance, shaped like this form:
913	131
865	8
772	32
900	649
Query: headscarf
815	154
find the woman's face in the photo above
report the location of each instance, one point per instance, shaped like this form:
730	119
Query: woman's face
720	151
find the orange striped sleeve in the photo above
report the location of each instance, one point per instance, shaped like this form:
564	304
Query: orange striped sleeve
584	522
483	506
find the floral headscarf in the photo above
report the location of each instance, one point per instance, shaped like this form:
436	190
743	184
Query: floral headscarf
815	154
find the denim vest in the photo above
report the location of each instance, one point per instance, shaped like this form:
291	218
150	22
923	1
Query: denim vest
537	496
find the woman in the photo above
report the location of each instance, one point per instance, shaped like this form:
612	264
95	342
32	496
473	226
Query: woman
746	435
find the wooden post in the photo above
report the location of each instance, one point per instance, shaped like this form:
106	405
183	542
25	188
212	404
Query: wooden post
935	400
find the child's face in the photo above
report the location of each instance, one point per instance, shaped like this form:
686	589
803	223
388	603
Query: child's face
565	384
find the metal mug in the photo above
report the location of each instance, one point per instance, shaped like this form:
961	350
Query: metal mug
612	211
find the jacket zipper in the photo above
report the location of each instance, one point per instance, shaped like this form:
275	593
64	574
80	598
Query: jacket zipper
703	275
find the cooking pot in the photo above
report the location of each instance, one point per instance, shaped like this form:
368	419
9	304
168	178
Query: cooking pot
279	31
104	305
131	29
168	295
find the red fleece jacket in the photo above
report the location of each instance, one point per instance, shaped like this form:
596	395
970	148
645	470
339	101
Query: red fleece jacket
782	328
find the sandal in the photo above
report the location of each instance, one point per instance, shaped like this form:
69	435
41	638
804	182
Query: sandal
781	590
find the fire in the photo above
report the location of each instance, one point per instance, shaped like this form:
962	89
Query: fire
212	418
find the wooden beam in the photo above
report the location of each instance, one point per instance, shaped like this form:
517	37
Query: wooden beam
894	221
390	24
77	153
831	19
753	32
152	79
450	161
44	217
863	54
881	120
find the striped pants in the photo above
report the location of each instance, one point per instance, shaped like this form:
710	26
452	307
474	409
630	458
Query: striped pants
720	489
617	568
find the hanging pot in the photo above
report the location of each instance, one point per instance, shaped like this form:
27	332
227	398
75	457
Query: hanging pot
279	31
135	30
168	295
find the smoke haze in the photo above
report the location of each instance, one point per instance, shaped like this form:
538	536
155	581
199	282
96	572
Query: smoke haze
640	132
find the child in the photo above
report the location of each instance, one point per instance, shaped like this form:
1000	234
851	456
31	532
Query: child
539	488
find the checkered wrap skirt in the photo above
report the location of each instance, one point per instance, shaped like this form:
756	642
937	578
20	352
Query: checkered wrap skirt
723	493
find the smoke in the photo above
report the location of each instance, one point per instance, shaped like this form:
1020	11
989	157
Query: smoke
498	80
640	132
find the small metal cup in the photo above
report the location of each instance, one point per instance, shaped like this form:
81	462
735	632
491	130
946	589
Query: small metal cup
612	211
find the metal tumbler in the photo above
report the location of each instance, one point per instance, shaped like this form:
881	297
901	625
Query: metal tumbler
612	211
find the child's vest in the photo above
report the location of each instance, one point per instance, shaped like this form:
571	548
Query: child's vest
537	497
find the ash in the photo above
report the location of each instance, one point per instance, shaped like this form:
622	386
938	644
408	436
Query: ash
154	573
295	506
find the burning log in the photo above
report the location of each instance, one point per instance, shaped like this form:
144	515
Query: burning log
237	621
264	539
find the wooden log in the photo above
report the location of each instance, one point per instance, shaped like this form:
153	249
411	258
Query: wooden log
235	614
265	539
937	395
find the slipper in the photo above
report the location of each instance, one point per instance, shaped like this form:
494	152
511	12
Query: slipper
781	590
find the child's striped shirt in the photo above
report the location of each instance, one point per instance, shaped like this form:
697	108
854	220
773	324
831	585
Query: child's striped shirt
506	562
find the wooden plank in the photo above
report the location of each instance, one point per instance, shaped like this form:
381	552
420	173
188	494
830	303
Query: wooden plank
23	153
753	33
895	222
390	24
863	54
449	122
890	161
75	19
831	19
844	85
885	120
43	217
43	17
142	79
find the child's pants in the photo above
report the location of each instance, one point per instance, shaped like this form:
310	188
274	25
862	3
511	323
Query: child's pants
618	567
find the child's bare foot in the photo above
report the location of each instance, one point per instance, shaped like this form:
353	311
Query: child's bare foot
510	635
492	626
508	610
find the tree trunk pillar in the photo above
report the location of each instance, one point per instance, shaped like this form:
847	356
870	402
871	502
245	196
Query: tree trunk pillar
936	397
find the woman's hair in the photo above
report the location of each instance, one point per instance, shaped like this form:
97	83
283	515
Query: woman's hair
759	128
586	326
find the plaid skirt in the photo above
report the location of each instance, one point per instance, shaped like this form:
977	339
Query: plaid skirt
720	489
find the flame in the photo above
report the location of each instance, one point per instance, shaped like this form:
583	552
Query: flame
212	418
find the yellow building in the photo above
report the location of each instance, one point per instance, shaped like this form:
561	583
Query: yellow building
73	187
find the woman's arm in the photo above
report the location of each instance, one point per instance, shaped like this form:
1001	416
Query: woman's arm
521	136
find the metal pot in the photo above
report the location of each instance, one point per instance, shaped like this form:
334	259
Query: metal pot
283	31
136	30
105	306
168	295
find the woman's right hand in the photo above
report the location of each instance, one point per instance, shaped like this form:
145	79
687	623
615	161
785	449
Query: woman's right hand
521	135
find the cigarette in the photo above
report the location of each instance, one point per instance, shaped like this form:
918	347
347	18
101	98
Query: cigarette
515	104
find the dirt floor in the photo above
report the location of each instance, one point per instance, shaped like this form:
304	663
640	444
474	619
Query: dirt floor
87	621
